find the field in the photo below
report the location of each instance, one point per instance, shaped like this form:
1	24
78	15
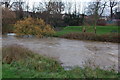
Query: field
27	64
100	30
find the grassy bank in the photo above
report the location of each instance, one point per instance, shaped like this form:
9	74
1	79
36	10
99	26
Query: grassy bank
19	62
100	30
93	37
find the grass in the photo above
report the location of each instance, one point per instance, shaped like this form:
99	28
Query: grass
100	30
0	63
19	62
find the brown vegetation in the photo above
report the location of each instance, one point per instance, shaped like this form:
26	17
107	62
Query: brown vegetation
94	37
31	26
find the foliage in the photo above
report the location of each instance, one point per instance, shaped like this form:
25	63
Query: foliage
30	26
8	19
27	64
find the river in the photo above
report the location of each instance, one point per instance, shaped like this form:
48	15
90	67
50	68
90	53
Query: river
71	53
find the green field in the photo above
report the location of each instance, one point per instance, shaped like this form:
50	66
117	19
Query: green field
100	29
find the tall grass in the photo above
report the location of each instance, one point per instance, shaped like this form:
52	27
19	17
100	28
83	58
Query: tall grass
94	37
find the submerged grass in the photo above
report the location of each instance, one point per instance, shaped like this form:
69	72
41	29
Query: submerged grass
19	62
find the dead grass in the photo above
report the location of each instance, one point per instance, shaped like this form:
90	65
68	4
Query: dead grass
94	37
14	53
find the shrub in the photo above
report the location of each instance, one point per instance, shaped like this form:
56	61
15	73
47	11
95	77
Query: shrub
114	37
30	26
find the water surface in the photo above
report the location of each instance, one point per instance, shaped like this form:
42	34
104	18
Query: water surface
71	53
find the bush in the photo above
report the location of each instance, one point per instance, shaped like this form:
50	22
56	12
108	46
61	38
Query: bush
114	37
30	26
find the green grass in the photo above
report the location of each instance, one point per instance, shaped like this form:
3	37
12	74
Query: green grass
20	71
36	66
100	30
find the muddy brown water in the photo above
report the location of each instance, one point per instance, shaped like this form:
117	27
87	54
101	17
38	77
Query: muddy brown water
71	53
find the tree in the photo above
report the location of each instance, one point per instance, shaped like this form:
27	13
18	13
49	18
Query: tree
112	4
95	10
27	7
68	7
52	12
8	19
6	3
18	8
16	5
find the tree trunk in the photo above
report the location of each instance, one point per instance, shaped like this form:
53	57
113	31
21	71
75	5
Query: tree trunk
95	29
96	19
111	13
6	4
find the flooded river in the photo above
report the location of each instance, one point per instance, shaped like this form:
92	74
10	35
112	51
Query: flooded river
71	53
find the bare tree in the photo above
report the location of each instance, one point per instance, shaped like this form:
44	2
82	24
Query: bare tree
41	7
112	4
8	18
95	10
53	10
27	9
6	3
75	6
33	7
18	8
69	7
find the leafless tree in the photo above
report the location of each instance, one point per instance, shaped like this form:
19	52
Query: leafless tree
112	4
8	18
52	10
27	9
18	8
41	7
75	8
6	3
69	5
95	10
